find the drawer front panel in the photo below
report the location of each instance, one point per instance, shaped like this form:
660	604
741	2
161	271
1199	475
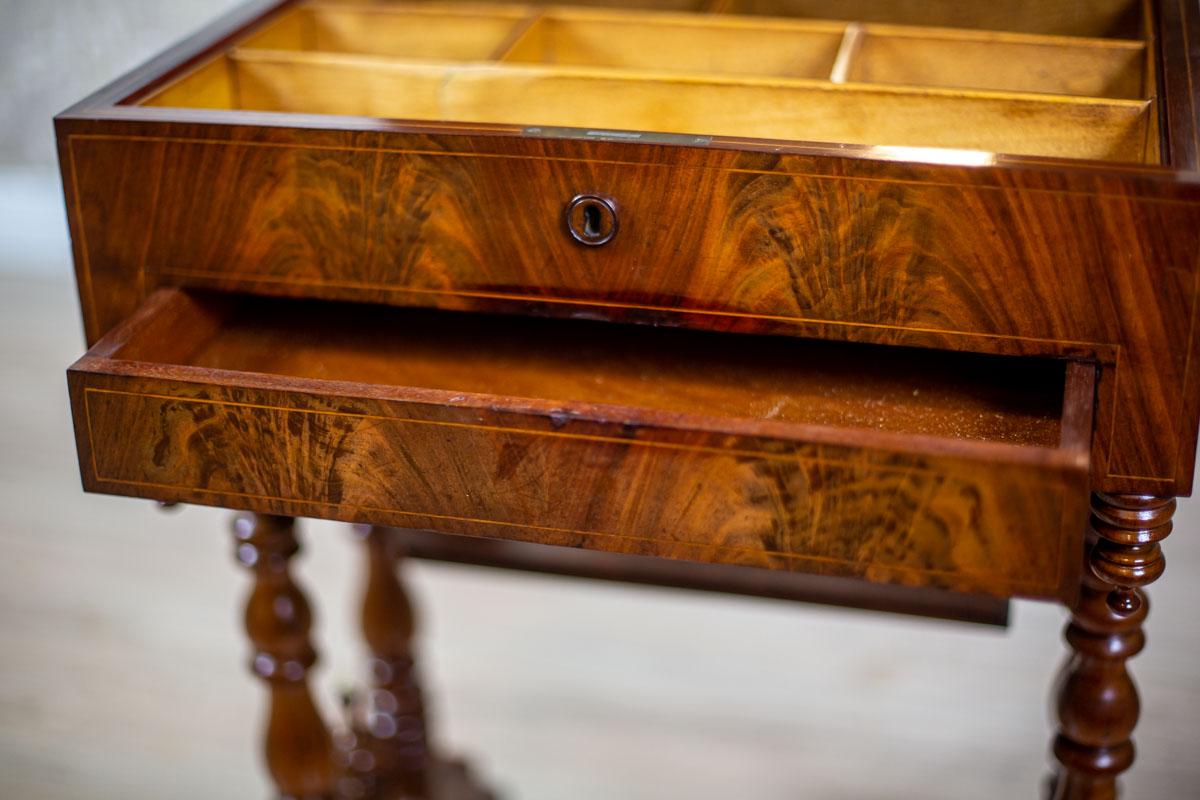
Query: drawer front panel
1016	269
706	238
917	520
443	228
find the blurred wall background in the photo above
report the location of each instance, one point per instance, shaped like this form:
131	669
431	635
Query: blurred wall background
53	53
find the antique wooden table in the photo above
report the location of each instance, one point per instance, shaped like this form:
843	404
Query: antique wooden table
743	296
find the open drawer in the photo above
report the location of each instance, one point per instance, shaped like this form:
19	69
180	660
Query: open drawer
951	470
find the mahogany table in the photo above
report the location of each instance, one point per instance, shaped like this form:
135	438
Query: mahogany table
881	304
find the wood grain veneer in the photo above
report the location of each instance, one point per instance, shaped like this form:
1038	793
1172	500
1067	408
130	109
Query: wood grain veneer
897	466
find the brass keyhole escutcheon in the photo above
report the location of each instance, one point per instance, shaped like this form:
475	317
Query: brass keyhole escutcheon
591	219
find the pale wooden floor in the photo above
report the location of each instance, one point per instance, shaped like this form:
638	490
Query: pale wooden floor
122	673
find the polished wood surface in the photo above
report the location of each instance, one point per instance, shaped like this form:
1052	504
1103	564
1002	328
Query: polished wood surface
656	442
1097	701
395	715
1175	27
298	748
382	753
387	753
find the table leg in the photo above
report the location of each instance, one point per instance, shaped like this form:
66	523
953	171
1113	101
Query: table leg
390	744
1097	700
298	746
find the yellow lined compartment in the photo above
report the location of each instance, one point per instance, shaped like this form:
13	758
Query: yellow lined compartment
680	42
453	33
708	75
770	109
1007	62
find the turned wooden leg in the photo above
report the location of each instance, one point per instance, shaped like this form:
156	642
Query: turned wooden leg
389	746
1097	700
298	745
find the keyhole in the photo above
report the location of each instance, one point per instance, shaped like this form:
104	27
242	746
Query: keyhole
591	221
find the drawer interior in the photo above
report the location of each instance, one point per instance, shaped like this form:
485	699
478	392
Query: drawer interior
818	72
571	364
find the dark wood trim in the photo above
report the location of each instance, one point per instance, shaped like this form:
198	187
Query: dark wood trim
254	128
1096	698
999	163
297	746
1178	32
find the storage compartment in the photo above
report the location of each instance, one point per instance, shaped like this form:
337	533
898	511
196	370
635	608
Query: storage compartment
965	60
699	75
582	98
904	466
440	32
680	43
